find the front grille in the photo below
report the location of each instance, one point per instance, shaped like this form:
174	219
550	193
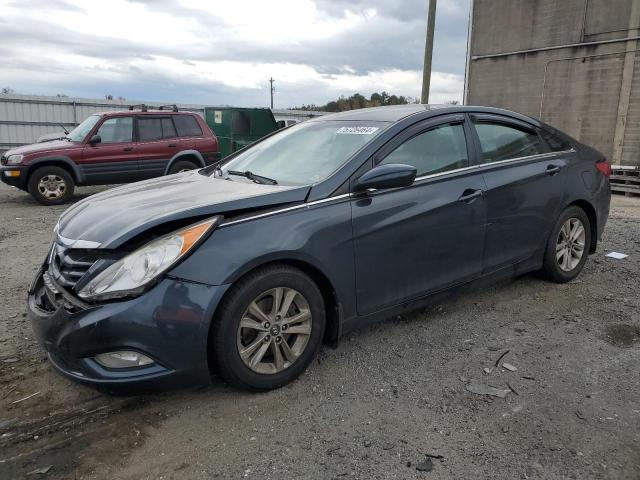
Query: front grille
68	265
3	160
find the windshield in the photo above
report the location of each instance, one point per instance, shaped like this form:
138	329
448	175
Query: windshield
306	153
79	133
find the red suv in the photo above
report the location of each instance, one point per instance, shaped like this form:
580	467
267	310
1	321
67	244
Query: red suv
113	147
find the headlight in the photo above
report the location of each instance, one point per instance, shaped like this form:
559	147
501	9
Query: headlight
14	159
134	272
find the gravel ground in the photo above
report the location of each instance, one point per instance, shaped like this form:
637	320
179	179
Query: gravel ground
389	402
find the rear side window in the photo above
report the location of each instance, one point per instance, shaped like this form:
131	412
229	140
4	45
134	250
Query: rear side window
187	126
503	142
440	149
168	130
555	142
116	130
153	128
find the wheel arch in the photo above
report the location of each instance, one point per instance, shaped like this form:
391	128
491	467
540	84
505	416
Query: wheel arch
590	210
63	162
193	156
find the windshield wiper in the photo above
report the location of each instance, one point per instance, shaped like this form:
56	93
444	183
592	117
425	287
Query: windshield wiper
253	177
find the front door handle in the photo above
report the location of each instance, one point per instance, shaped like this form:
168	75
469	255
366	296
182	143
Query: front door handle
127	149
552	169
469	195
173	145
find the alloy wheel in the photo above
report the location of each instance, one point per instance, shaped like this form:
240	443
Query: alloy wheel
570	244
274	330
52	186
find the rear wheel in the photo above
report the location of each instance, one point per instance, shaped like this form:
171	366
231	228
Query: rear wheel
568	246
182	166
51	185
268	329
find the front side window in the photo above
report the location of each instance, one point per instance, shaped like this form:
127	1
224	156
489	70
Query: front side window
116	130
504	142
155	128
305	153
440	149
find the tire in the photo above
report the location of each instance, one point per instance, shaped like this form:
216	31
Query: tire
563	266
228	338
181	166
51	185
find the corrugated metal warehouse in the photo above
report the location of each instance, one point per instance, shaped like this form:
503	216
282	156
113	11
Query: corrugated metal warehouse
24	118
573	63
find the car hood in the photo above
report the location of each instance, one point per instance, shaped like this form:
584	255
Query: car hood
112	217
50	146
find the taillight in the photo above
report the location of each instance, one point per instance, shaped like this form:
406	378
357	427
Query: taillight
605	167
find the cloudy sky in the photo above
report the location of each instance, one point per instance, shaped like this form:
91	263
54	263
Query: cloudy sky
223	52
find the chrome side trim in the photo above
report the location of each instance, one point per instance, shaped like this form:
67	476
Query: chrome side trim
70	243
288	209
448	172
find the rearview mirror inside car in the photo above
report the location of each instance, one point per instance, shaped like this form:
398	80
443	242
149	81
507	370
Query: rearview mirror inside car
95	139
392	175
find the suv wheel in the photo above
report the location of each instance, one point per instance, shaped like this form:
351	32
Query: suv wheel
568	246
51	185
268	329
182	166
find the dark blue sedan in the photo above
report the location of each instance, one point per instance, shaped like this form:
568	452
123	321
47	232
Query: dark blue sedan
243	269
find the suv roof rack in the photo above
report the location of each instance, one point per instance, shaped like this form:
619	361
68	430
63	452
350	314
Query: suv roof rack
144	108
171	106
141	106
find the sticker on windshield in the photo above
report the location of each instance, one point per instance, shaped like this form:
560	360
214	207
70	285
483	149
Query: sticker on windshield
357	130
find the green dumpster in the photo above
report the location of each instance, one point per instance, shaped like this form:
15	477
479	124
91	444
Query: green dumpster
239	127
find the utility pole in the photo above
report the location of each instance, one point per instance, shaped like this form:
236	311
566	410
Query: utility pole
271	89
428	51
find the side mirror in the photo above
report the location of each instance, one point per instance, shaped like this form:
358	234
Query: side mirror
392	175
95	139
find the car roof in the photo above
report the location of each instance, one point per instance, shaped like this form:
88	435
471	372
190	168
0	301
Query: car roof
389	113
395	113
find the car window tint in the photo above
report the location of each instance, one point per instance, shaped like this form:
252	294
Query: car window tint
149	129
168	130
555	142
438	150
503	142
116	130
187	126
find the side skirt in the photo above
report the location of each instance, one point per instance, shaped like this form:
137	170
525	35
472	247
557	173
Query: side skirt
530	265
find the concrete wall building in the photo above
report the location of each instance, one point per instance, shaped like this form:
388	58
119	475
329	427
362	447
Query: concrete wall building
575	64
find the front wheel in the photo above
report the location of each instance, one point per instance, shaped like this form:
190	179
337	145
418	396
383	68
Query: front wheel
568	246
51	185
268	329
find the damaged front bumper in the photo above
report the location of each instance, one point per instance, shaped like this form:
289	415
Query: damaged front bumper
169	324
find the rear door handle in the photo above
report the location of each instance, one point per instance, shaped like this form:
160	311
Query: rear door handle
469	195
552	169
173	145
127	149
